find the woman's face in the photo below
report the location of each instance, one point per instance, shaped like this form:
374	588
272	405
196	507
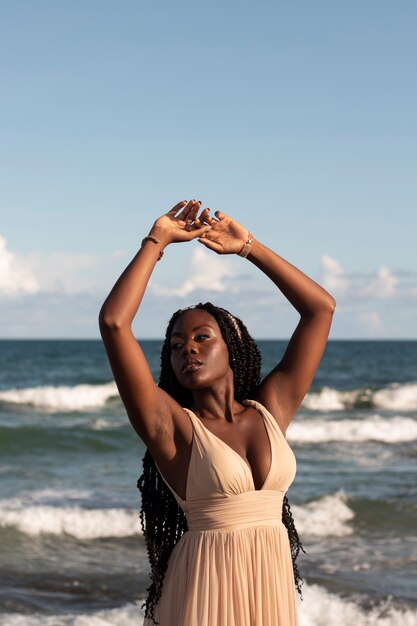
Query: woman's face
199	355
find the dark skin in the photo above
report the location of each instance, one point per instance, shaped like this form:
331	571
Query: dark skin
200	360
198	345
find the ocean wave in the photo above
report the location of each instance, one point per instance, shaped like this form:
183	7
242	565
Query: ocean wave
322	608
375	428
36	496
76	398
327	516
30	515
318	608
395	397
71	520
103	424
331	399
130	615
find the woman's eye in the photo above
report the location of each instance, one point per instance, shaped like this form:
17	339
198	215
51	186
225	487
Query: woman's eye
176	346
199	337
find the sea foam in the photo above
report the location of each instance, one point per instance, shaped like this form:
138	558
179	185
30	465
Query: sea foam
327	516
329	399
129	615
62	398
43	496
375	428
72	520
318	608
322	608
395	397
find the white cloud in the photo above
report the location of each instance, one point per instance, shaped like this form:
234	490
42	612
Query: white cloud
333	276
119	254
376	286
206	272
16	274
45	272
383	286
60	293
63	272
371	320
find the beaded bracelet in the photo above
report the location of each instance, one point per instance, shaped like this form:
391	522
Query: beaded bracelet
155	241
247	246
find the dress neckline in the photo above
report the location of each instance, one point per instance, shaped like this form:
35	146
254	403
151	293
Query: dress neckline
245	462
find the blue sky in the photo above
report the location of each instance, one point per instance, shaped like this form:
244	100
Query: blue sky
298	119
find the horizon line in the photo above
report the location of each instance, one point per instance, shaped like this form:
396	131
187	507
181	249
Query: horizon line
162	339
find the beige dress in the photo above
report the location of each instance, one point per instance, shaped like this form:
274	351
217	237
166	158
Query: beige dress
233	566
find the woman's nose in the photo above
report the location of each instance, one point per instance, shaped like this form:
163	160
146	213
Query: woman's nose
189	347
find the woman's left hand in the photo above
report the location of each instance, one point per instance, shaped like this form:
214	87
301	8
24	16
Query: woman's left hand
226	235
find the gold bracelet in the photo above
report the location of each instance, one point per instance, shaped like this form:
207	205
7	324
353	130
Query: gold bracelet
155	241
247	246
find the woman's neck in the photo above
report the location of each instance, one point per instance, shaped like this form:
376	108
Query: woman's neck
216	402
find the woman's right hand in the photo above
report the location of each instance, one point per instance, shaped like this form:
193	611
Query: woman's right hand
172	228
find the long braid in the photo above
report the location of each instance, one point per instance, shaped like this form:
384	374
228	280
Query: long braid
163	521
295	543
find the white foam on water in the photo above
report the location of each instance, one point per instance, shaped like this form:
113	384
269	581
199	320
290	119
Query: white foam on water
322	608
330	399
318	608
326	516
323	517
26	498
40	495
62	398
130	615
397	398
375	428
103	424
71	520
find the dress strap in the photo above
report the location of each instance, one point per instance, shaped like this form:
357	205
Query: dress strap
267	415
197	425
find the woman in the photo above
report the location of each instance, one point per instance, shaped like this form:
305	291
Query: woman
215	435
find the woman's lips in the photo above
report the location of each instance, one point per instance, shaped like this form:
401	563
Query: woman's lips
191	366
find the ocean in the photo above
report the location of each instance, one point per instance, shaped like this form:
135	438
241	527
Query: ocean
71	551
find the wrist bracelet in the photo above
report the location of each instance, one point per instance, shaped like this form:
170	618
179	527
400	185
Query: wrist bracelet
155	241
247	246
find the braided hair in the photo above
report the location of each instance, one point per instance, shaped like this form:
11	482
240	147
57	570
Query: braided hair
162	519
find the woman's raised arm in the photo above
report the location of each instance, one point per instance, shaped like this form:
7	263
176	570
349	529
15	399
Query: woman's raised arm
146	404
283	390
